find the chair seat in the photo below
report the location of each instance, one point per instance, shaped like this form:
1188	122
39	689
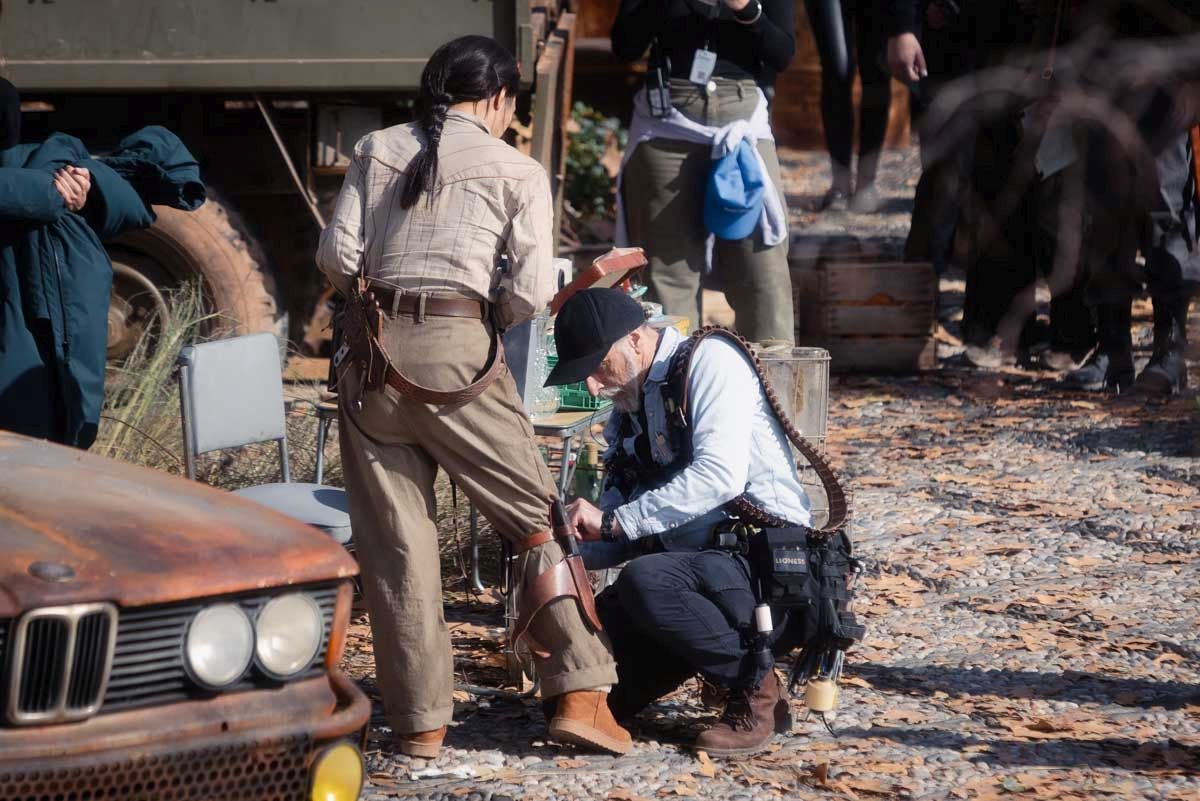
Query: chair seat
320	506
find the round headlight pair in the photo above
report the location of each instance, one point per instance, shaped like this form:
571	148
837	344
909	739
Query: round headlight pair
285	637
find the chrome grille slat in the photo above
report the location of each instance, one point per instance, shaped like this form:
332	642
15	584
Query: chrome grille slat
90	655
129	661
59	663
133	679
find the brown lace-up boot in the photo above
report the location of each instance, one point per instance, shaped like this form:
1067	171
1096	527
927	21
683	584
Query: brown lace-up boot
583	719
750	721
424	744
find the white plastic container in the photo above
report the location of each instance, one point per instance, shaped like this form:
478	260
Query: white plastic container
800	377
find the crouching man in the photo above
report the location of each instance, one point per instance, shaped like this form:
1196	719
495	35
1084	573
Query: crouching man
693	447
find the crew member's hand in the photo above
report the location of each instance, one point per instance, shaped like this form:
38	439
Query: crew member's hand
73	183
736	5
905	58
585	519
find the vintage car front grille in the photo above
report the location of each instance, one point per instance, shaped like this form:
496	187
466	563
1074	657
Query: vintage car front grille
148	664
271	770
59	663
141	666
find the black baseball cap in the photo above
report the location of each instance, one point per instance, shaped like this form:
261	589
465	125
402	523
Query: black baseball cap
586	327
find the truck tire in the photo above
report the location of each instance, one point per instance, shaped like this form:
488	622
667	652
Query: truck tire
211	244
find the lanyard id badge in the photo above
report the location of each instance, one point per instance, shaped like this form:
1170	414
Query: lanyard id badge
703	64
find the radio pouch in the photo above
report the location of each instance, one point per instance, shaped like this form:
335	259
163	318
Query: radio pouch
808	575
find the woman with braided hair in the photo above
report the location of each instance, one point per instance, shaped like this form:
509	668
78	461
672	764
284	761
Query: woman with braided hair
426	212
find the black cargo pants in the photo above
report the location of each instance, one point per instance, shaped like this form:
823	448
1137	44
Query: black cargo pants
672	615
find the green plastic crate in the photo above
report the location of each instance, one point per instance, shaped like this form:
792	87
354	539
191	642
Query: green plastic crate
575	397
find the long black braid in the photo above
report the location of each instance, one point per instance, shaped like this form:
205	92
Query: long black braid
464	70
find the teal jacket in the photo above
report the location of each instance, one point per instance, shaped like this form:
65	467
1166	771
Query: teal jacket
56	278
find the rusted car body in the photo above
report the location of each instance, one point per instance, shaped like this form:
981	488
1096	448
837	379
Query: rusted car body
104	571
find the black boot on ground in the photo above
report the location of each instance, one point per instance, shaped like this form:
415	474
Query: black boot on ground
837	198
1166	372
1111	365
750	721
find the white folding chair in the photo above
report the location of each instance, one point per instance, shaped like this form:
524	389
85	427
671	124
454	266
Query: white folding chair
231	395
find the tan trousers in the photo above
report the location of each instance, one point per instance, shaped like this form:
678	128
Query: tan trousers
664	186
391	450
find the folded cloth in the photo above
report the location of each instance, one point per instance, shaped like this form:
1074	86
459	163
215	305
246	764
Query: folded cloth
160	167
645	126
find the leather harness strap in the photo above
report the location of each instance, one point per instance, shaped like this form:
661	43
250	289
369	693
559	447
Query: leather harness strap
362	322
414	391
564	579
532	541
839	511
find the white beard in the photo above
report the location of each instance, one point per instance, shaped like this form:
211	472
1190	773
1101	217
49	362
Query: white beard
627	396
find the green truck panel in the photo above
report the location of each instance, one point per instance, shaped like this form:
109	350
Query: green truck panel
224	45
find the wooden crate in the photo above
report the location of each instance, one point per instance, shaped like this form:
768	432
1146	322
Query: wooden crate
872	316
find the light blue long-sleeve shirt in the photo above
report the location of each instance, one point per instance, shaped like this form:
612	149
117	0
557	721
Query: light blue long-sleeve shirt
737	446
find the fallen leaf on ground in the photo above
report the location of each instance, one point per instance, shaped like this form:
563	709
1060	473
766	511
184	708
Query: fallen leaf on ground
900	716
623	794
1007	549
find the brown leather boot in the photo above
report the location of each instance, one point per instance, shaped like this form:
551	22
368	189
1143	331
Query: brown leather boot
749	722
583	718
424	744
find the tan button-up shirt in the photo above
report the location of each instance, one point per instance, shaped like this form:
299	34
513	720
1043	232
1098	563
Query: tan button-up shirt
488	200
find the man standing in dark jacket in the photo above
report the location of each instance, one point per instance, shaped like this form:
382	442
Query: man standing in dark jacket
1138	206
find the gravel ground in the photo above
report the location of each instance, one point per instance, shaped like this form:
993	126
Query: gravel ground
1031	601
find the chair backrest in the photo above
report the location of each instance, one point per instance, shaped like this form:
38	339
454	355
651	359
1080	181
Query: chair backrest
230	395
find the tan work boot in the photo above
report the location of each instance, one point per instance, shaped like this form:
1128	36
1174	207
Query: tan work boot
750	721
424	744
583	718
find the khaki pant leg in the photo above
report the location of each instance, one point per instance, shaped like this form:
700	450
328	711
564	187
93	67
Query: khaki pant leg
757	282
389	482
663	186
487	448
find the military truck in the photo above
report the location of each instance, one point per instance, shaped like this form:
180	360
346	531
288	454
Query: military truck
271	96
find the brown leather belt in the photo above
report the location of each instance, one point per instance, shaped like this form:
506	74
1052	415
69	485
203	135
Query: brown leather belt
421	304
362	320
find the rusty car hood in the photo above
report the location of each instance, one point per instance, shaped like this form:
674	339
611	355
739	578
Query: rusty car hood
136	536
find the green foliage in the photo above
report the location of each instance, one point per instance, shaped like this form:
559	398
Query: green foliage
590	189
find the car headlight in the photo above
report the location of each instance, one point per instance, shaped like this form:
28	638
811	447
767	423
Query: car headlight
220	645
289	630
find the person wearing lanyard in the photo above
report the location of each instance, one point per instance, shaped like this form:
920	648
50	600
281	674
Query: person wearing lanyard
713	64
425	213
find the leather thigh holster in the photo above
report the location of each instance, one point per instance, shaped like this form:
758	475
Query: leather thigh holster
566	579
